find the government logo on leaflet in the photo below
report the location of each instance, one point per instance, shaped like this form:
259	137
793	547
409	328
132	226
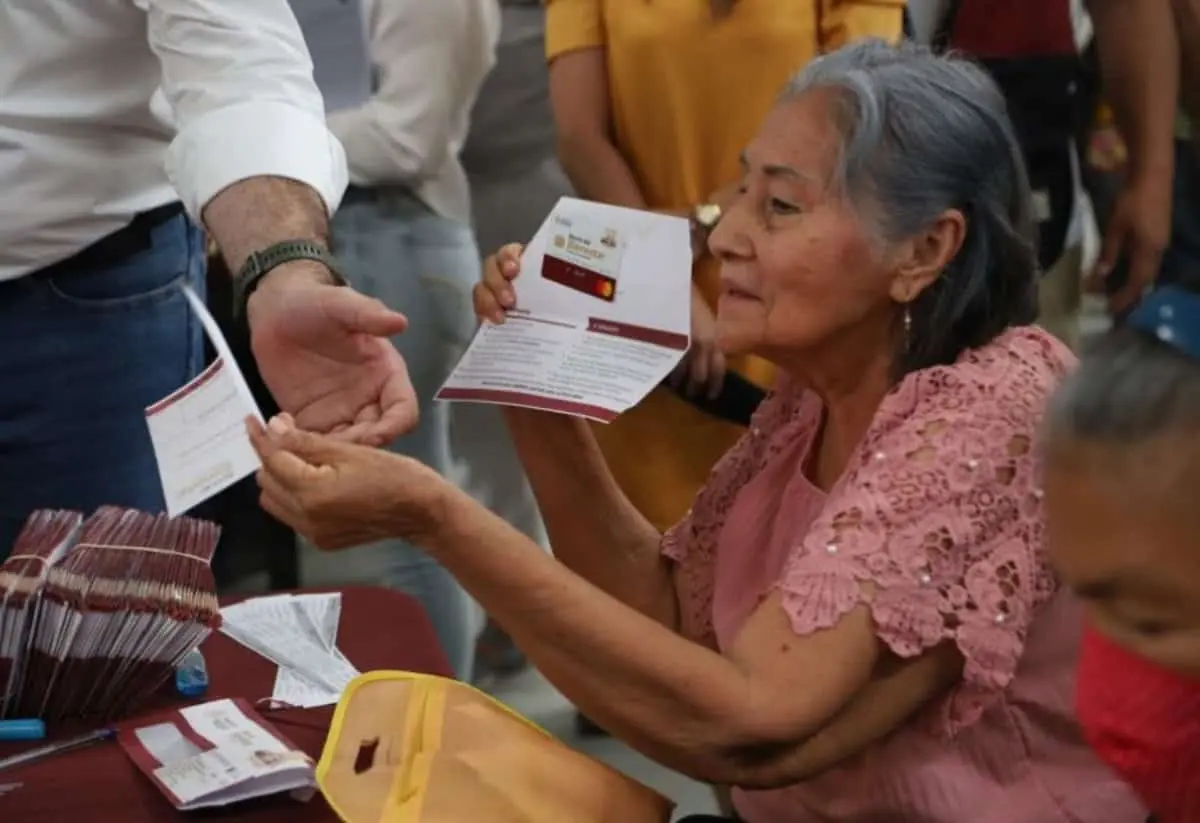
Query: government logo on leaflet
584	257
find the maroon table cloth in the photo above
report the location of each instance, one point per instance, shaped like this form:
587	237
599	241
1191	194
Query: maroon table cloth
379	629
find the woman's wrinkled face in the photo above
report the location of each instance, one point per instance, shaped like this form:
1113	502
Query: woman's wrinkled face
1127	540
798	266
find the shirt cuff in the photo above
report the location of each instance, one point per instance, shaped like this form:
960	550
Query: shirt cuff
262	138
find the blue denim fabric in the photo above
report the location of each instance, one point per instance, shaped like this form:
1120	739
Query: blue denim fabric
82	354
395	249
1181	262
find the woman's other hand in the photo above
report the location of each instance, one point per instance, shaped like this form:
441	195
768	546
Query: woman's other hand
702	369
494	295
340	494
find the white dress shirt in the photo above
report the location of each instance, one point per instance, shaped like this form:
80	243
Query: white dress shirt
112	107
430	59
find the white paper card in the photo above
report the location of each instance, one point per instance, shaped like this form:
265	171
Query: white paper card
299	634
335	32
602	315
199	431
240	760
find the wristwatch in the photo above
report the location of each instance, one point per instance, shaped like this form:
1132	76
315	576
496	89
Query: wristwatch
259	263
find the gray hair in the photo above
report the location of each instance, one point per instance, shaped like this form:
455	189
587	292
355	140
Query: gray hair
923	133
1130	387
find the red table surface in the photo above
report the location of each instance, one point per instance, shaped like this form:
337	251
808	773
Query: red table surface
379	629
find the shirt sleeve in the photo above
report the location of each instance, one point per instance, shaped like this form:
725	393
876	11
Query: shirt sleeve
238	79
937	527
430	58
572	25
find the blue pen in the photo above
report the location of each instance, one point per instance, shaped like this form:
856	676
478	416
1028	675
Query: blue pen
16	730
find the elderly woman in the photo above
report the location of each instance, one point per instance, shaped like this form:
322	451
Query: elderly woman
856	621
1122	467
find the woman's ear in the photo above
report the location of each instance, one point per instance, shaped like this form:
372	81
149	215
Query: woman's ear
922	258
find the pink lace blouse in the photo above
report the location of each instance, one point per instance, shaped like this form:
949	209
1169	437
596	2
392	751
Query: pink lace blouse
940	510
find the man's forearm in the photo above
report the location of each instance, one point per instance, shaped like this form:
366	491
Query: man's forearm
1139	64
259	212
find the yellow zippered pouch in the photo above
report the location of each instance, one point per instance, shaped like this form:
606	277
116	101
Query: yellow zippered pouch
415	748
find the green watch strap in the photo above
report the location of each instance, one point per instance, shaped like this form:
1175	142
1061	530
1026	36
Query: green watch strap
259	263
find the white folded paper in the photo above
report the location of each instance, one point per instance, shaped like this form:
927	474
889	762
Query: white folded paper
199	431
299	634
602	315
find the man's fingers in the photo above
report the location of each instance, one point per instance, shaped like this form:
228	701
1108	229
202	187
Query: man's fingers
397	419
365	315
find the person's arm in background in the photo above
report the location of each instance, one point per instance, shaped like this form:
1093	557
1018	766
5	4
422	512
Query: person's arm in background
581	100
1187	24
1138	52
429	56
255	163
844	21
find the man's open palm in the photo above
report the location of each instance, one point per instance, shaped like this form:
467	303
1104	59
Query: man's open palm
326	355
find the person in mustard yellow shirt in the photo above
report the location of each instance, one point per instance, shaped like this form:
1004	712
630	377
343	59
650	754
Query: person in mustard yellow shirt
654	101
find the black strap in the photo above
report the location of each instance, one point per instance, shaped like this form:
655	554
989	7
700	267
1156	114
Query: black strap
945	30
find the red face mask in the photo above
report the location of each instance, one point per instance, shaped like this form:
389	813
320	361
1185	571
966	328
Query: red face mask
1144	722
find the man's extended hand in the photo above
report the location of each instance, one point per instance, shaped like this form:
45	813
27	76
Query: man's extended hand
326	355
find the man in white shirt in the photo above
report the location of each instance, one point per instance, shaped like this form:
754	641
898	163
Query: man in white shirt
404	235
111	112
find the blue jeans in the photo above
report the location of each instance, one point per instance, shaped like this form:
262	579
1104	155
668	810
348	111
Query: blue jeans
1181	262
82	353
395	249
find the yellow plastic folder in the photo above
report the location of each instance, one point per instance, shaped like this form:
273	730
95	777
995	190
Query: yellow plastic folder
413	748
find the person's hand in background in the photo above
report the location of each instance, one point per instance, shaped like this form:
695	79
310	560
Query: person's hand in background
494	295
326	354
1138	231
702	369
340	494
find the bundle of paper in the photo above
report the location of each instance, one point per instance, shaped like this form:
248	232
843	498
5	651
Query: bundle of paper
43	541
117	612
299	634
217	753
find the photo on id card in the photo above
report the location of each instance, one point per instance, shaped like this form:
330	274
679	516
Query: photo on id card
584	255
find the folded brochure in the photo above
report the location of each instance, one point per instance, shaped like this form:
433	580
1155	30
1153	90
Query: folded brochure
215	754
602	315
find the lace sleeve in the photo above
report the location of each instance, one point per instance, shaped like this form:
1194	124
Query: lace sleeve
937	527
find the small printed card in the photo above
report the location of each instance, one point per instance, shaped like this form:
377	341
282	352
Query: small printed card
215	754
602	315
584	255
199	431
